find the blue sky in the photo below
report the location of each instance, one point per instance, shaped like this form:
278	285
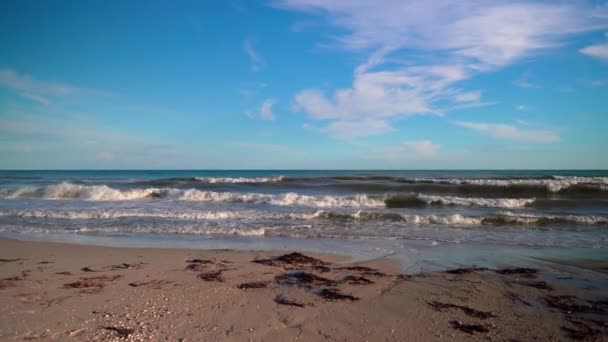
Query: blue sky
301	84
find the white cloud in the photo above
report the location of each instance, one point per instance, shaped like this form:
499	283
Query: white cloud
459	39
345	129
521	108
256	59
599	51
511	132
407	150
266	110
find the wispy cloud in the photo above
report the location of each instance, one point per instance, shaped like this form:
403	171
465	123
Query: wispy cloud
34	89
266	109
257	61
599	51
521	108
423	148
524	82
463	39
511	132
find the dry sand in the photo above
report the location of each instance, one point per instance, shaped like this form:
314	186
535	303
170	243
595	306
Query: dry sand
66	292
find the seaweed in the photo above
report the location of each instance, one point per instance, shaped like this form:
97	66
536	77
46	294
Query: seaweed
334	295
292	259
64	273
368	271
466	270
156	284
288	301
571	304
356	280
96	282
542	285
438	306
581	331
88	269
211	276
523	271
470	328
253	285
11	260
197	264
303	279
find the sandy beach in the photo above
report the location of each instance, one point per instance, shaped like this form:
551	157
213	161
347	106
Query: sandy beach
54	291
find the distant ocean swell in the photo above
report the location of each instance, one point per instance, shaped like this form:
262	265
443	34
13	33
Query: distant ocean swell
490	187
65	191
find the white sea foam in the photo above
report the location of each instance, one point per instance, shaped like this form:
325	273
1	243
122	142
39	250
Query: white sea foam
558	183
188	230
240	179
473	201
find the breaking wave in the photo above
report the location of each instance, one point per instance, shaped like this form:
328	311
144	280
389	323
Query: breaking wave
105	193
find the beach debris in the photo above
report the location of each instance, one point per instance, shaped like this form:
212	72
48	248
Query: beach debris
303	279
368	271
211	276
7	282
155	284
581	331
197	264
334	295
280	299
321	268
570	304
514	297
522	271
438	306
88	269
356	280
91	282
64	273
292	259
466	270
124	266
470	328
253	285
542	285
11	260
45	262
121	332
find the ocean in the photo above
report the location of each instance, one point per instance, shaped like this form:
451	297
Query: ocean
361	212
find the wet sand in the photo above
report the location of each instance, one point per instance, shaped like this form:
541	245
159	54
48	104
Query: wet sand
52	291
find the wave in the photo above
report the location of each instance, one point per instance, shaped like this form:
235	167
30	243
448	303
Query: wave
214	180
500	219
554	184
541	186
105	193
407	201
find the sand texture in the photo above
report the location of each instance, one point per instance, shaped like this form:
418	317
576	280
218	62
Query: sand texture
83	293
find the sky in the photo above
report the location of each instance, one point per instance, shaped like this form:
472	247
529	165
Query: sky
304	84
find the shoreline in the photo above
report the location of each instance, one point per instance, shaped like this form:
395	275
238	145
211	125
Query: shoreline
52	291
